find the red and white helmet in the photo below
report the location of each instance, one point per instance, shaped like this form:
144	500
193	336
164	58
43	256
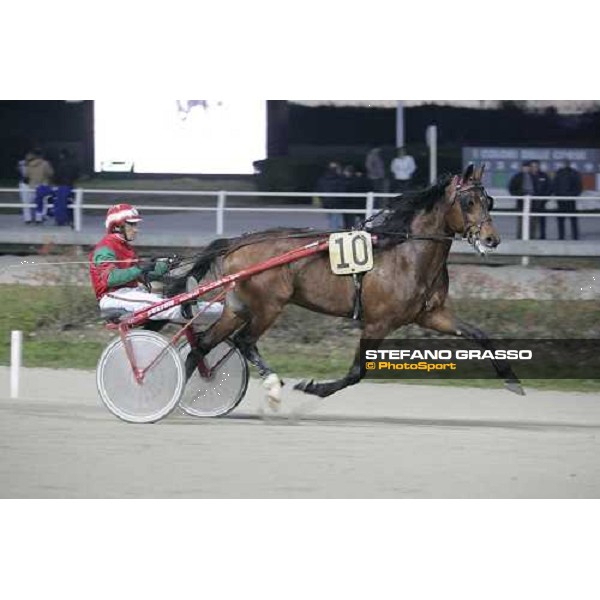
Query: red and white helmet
119	214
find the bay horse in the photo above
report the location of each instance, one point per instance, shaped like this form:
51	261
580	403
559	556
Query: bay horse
408	283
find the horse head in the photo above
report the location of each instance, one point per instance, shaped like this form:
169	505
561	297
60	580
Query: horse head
470	206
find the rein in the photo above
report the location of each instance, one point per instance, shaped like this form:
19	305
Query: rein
405	236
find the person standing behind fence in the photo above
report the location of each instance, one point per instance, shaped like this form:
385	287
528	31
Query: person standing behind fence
39	172
567	182
65	175
331	182
355	183
521	184
375	168
348	186
542	186
403	168
25	192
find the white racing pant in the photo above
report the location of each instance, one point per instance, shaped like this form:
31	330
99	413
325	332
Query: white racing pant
136	298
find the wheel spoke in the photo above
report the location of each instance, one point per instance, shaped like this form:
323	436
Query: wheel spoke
223	390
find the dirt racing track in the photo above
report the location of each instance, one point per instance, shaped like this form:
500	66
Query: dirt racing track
370	441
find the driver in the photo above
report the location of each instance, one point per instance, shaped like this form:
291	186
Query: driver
118	274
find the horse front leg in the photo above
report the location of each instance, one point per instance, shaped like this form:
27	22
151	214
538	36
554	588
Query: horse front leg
354	375
443	321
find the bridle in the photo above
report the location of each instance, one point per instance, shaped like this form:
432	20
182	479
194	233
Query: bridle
472	231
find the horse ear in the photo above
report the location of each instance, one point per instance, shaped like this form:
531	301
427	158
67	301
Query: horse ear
478	173
452	187
468	174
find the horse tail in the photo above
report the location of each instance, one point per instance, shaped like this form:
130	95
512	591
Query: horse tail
176	284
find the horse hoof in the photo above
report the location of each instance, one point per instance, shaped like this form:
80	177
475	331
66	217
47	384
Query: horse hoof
514	387
272	384
273	404
304	385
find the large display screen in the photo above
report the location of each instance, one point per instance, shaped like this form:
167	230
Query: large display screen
179	136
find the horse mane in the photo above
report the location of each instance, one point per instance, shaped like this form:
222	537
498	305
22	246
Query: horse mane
403	209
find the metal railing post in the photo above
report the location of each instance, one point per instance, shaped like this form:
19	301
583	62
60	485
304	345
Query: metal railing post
431	139
370	204
221	198
77	209
526	226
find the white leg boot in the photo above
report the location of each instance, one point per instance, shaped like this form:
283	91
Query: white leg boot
272	384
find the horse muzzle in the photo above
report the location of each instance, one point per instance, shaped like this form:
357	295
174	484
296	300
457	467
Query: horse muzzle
489	235
484	239
491	241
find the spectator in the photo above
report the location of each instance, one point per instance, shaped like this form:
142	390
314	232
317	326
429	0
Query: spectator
65	175
331	182
542	186
349	185
375	167
403	168
521	184
24	189
361	183
39	172
567	182
355	183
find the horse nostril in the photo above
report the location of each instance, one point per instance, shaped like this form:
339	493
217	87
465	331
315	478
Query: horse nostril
491	241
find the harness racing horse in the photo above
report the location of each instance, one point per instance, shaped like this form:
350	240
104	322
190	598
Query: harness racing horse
408	282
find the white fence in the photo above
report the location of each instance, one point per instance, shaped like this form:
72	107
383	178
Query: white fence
221	207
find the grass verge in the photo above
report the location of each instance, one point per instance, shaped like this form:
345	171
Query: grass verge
62	330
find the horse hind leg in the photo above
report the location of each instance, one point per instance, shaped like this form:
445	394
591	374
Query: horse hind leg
227	324
234	317
327	388
246	341
271	381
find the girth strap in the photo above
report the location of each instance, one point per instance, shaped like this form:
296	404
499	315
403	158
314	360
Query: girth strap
358	307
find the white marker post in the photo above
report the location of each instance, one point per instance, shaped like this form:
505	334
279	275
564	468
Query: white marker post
16	346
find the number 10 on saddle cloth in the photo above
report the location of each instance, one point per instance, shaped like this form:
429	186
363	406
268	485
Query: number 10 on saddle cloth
350	252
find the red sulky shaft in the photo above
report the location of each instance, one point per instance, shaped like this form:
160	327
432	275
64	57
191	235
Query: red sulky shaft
290	256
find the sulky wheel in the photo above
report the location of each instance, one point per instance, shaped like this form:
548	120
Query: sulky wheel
223	389
162	385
